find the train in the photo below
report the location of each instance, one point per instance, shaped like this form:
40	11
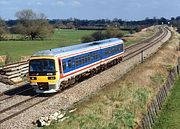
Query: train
52	70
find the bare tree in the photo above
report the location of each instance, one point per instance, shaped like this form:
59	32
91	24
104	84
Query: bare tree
33	25
26	14
3	28
70	25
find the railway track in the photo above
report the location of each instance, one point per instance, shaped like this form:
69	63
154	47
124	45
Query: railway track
12	99
142	46
18	108
14	107
154	36
15	92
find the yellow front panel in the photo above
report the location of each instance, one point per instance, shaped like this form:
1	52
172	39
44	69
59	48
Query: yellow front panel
45	78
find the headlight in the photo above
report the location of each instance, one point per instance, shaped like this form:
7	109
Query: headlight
51	78
33	78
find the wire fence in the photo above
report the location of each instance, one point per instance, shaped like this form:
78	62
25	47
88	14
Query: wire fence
155	106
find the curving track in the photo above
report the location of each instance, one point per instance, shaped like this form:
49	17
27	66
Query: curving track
15	102
135	49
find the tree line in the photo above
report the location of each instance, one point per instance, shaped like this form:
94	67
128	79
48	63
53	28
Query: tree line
34	26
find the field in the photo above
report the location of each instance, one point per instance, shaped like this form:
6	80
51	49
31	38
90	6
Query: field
16	49
169	118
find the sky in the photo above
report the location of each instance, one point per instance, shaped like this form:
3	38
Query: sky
93	9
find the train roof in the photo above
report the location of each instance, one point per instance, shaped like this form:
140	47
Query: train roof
63	50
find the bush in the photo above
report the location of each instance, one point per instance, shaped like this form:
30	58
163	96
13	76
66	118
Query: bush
99	35
111	32
119	35
8	59
138	28
87	38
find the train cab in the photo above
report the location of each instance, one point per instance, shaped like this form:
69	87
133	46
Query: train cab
43	74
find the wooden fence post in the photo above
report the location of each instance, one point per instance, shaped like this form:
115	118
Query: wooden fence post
152	112
155	107
143	125
142	57
178	69
179	65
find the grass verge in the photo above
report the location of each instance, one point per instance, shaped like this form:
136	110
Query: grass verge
139	36
169	117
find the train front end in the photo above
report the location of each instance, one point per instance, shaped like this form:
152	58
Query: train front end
43	74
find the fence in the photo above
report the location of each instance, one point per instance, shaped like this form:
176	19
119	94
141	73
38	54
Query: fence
14	73
156	105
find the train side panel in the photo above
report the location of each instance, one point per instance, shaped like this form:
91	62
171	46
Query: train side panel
85	63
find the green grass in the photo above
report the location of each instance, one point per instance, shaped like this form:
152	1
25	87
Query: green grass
112	108
169	117
64	37
132	41
1	64
158	79
60	38
139	38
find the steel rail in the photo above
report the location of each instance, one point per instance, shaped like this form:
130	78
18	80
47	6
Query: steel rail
23	110
15	94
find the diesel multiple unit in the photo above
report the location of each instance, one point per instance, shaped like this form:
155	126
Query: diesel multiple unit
54	69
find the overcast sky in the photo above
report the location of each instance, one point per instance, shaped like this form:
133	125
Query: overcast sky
93	9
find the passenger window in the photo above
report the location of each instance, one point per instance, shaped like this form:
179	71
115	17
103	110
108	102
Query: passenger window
98	55
64	65
91	56
94	55
121	47
80	61
110	50
117	49
113	50
86	59
83	59
69	63
106	52
77	63
60	66
73	62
